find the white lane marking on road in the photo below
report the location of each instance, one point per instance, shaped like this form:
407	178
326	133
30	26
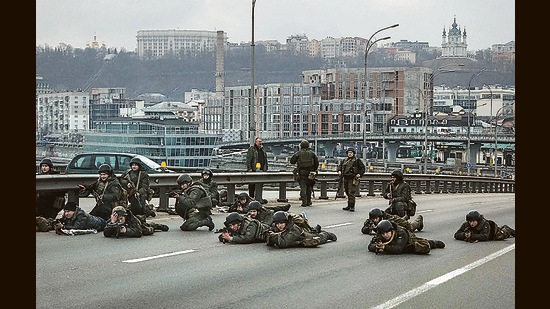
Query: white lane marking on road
159	256
337	225
437	281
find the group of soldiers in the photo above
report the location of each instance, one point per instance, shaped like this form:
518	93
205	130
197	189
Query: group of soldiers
123	206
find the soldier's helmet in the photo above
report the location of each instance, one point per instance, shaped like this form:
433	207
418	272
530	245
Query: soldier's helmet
207	171
384	226
397	174
47	161
105	168
233	218
304	144
120	210
184	178
243	196
280	216
351	149
255	205
473	215
375	213
136	161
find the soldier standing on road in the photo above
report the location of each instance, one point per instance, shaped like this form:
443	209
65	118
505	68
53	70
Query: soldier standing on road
307	164
194	204
107	191
476	228
256	159
351	169
136	183
398	192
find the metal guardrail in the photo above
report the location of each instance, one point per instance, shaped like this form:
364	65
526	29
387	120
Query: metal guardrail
421	184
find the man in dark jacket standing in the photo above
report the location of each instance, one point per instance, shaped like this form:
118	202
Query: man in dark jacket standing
256	160
351	169
307	164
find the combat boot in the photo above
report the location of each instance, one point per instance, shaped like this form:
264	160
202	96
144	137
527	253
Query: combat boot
286	207
352	207
510	230
43	224
418	223
161	227
436	244
208	222
332	236
318	228
348	207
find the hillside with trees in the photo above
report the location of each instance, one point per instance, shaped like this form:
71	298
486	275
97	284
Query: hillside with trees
69	69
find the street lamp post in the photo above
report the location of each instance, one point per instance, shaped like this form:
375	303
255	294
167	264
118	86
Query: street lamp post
365	84
251	101
426	110
491	116
496	139
468	159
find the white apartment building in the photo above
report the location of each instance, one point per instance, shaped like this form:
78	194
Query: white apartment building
160	43
483	102
62	113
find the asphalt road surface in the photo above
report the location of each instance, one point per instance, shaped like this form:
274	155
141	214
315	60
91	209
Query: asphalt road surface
177	269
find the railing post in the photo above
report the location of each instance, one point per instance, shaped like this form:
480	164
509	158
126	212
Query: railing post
323	195
282	192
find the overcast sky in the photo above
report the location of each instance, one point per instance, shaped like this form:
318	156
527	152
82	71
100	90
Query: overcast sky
115	23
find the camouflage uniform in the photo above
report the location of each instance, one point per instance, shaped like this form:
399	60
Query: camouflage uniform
295	235
403	241
211	186
369	227
112	194
194	206
250	231
132	224
485	230
306	162
137	197
399	193
349	168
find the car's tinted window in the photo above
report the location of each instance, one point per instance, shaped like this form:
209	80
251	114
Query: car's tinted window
106	159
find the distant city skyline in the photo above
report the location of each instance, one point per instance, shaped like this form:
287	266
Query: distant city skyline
115	23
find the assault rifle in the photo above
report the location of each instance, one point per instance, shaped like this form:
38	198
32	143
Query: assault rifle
377	240
98	197
340	187
220	231
174	193
116	226
132	190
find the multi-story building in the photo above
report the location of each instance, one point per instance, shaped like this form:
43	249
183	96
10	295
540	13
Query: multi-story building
160	43
62	113
482	102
